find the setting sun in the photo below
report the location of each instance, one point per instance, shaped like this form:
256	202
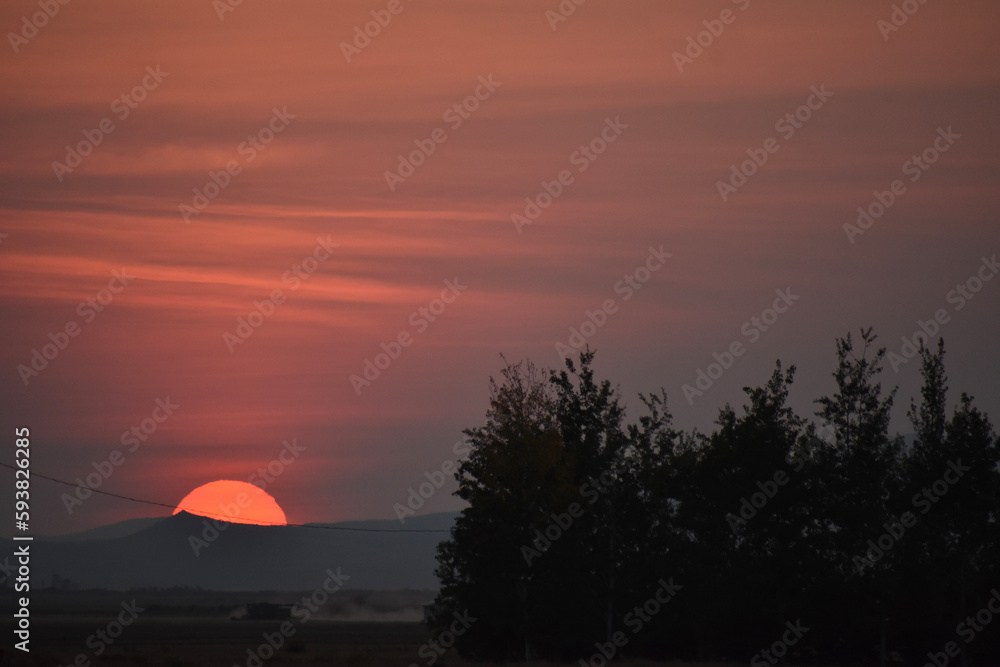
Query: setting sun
236	502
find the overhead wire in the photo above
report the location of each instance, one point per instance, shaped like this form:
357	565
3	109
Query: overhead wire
229	518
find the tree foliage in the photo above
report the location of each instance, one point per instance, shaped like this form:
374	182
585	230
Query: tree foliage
576	516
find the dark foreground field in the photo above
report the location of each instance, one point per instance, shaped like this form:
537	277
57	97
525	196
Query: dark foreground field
195	642
191	642
179	628
187	628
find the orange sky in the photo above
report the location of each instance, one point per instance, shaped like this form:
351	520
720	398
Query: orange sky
323	177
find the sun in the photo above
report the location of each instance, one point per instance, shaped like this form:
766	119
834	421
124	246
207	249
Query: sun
235	502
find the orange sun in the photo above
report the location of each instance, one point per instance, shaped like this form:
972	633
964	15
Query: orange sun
235	502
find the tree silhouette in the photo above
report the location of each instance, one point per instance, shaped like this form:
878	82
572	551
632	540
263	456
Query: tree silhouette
952	486
574	515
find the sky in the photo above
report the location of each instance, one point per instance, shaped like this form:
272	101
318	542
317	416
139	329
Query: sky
466	180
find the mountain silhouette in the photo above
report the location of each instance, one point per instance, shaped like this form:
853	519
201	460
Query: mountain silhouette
243	557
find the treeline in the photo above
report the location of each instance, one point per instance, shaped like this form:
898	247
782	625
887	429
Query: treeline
773	538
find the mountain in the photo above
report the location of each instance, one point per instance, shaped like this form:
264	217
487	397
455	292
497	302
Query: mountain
185	550
111	531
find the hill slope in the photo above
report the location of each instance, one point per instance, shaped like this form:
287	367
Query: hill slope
182	551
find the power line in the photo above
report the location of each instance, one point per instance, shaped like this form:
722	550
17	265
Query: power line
226	517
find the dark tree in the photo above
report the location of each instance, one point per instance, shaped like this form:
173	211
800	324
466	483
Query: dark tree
510	480
953	487
857	485
545	554
743	510
574	516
